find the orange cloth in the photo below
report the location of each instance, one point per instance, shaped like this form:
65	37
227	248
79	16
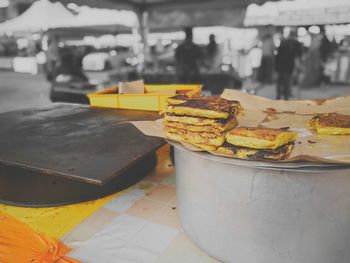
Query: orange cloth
20	244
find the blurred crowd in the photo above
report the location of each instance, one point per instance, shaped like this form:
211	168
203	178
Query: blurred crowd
64	60
189	58
293	63
273	58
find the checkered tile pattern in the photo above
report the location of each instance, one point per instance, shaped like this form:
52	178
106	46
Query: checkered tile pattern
142	225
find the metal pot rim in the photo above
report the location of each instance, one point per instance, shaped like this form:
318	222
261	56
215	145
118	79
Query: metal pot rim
290	166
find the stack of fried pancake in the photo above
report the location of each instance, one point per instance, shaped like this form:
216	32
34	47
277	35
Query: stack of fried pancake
202	122
331	124
258	143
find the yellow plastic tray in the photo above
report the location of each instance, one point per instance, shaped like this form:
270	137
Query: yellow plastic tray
154	98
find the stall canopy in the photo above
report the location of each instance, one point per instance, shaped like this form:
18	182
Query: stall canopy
88	16
99	21
4	3
265	14
151	5
40	16
178	19
171	15
298	13
44	15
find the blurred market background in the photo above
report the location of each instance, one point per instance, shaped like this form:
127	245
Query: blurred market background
61	50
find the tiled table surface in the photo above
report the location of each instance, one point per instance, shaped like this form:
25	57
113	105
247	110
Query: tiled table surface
141	225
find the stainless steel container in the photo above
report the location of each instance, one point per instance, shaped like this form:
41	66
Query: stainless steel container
245	212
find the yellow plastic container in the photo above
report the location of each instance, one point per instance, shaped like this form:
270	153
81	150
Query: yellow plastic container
154	98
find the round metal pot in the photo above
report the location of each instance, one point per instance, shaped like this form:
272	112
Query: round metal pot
247	214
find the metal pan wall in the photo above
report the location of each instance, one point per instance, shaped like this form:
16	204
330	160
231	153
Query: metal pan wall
243	214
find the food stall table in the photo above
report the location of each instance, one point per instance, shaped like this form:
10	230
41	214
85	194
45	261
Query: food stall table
141	225
68	153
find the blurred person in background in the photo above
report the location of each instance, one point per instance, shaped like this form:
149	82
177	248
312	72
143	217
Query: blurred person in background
52	58
326	47
2	49
71	63
288	56
32	48
312	63
343	62
79	53
326	50
265	72
212	53
188	57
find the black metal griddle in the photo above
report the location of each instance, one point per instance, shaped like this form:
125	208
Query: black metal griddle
68	153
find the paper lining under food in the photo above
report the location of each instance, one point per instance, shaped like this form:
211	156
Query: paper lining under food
259	111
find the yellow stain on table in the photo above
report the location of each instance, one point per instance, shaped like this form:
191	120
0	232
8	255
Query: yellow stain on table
56	221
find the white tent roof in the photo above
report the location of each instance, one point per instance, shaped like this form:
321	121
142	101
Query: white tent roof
299	12
4	3
40	16
257	15
103	17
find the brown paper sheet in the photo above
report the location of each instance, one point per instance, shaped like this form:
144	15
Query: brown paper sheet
326	148
277	114
151	128
249	101
251	118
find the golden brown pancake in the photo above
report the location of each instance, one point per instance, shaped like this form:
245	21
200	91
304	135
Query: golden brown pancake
184	95
177	99
194	120
280	153
208	107
177	137
331	124
207	138
216	128
260	138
